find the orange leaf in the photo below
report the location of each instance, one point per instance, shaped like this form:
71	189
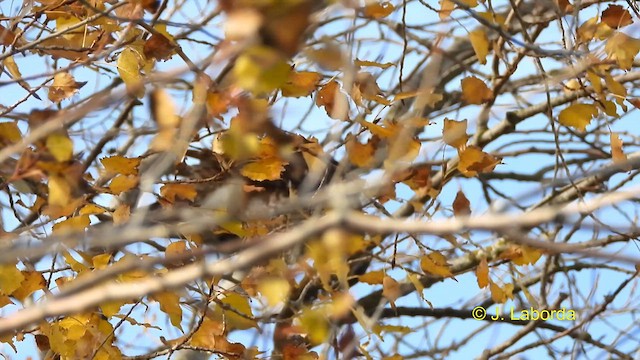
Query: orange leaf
333	100
617	154
482	273
378	10
361	155
300	83
475	91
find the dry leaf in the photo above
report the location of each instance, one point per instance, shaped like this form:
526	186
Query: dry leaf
454	133
480	43
615	16
461	205
482	273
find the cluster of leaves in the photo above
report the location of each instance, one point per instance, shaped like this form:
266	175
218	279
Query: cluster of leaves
206	162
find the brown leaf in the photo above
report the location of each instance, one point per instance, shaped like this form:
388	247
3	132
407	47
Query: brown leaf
332	98
158	47
461	205
616	17
482	273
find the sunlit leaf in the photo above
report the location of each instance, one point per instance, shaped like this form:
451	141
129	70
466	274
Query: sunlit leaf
10	278
482	273
300	83
121	165
261	70
170	305
60	146
578	115
378	10
480	43
475	91
435	263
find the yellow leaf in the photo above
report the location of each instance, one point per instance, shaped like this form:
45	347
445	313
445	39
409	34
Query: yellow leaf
9	133
170	305
435	263
474	160
617	154
300	83
60	146
118	164
33	281
112	308
316	325
521	254
454	133
261	69
378	10
578	115
475	91
378	329
73	224
372	277
10	279
101	261
163	110
130	62
92	209
623	49
122	183
64	86
207	332
482	273
480	43
59	191
359	62
270	168
275	290
180	191
241	318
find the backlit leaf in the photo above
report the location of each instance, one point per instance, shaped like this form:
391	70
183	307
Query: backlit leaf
480	43
261	70
170	305
578	115
130	63
118	164
461	205
60	146
172	192
617	154
275	290
435	263
378	10
64	86
10	278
